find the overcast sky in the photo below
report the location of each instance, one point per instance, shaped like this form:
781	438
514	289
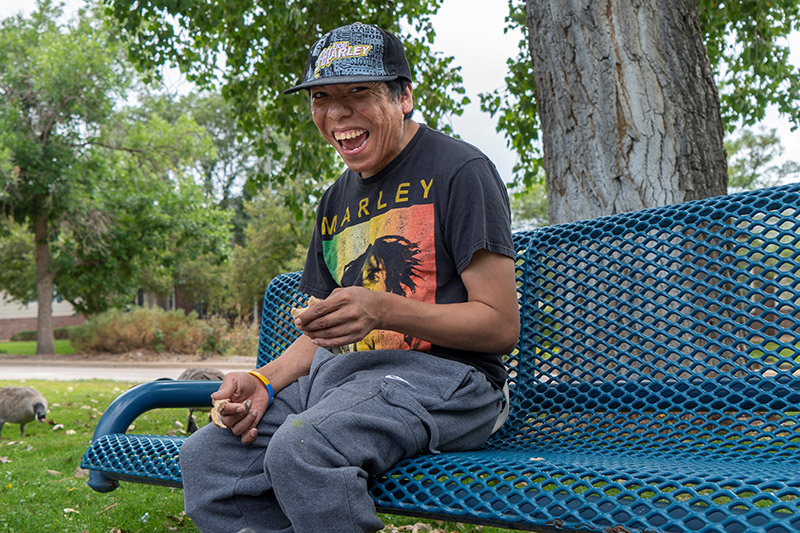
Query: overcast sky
472	32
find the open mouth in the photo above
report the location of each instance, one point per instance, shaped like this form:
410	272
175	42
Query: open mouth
352	140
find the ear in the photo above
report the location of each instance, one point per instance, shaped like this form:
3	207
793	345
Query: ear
407	100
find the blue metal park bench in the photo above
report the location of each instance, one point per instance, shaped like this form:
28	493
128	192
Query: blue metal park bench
655	386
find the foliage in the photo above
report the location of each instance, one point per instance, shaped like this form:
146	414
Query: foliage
58	333
748	50
275	241
155	330
750	161
253	53
516	108
56	86
157	229
747	44
18	275
529	207
110	183
224	172
150	329
241	338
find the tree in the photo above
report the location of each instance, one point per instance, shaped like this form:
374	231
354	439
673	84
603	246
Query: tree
55	87
99	190
18	275
529	208
276	241
628	107
746	49
226	173
751	157
253	53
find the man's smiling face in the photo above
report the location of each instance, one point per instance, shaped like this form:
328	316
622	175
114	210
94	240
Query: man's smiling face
363	123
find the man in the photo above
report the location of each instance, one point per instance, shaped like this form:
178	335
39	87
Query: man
308	429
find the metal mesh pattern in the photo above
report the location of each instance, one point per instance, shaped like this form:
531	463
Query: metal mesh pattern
149	459
656	386
277	325
656	383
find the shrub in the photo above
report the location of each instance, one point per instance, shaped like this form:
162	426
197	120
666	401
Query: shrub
182	333
242	339
154	329
59	333
216	335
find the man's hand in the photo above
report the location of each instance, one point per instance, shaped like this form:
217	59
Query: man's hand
487	322
344	317
238	414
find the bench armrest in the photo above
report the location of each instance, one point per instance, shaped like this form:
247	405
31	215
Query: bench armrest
141	398
153	395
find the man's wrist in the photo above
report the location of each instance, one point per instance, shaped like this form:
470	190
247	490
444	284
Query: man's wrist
264	381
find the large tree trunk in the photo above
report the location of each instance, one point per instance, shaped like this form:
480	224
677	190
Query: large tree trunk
628	106
45	341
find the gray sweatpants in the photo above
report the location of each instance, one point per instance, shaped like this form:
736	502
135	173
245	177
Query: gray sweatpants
352	417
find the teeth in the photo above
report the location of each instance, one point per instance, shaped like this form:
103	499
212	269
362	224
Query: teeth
352	134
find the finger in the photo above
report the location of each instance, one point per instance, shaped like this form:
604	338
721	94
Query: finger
232	413
330	344
250	437
329	328
244	408
226	390
245	423
336	336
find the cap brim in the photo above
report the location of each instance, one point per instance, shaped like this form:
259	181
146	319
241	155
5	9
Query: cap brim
336	80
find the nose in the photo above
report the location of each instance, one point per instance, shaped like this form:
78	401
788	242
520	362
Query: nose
338	108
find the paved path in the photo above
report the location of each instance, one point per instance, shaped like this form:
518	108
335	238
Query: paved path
17	369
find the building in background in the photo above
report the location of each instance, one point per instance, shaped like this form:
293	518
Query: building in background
16	317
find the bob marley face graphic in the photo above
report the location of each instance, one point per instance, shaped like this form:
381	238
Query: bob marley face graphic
389	264
373	275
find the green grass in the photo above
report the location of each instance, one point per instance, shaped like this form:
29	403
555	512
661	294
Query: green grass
41	487
63	347
43	490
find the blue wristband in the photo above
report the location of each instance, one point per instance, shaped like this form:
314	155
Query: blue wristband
266	383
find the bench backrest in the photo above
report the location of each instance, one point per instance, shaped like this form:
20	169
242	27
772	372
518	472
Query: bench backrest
662	331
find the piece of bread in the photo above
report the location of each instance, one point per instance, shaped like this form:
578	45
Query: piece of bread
297	310
216	412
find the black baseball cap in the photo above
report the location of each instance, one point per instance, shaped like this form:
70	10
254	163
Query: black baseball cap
353	54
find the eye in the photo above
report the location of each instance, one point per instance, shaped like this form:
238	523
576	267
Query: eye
371	275
316	95
358	89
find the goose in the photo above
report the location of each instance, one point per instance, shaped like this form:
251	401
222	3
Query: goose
20	405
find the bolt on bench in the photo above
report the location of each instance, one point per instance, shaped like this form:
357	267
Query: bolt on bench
655	386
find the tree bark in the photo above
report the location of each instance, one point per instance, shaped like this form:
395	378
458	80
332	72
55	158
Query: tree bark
45	340
628	106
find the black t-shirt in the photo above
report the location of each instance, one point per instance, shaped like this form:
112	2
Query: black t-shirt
411	230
